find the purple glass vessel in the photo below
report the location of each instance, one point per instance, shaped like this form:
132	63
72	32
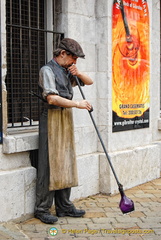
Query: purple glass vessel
126	204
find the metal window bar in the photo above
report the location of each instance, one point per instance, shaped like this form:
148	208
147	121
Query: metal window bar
26	53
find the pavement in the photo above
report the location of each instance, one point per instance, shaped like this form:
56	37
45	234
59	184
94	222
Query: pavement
103	219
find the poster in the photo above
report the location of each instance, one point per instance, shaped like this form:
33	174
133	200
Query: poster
130	65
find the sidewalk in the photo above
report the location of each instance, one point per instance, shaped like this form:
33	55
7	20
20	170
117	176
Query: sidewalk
103	219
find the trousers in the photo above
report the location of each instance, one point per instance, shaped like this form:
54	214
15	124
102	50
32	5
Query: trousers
60	197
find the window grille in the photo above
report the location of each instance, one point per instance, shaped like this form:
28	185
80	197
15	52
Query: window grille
27	38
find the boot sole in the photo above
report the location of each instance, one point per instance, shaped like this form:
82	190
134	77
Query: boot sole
69	215
45	221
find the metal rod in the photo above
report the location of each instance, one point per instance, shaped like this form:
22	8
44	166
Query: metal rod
36	95
99	136
126	26
35	29
29	46
21	63
11	63
38	51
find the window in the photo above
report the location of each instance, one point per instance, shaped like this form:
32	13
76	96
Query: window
29	33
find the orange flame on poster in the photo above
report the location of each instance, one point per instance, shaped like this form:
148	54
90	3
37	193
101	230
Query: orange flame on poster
130	59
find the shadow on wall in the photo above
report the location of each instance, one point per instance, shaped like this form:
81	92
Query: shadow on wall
34	158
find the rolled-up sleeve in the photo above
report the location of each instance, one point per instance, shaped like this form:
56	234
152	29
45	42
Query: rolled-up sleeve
47	81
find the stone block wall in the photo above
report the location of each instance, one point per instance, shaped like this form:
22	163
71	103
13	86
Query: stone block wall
18	181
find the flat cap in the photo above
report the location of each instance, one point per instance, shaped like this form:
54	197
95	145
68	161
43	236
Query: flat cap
72	46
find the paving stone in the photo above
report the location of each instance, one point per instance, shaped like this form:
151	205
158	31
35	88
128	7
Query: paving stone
143	195
32	221
95	209
158	195
45	227
157	231
99	226
81	205
61	221
104	220
155	205
137	214
152	191
41	234
91	204
151	219
126	225
66	238
28	227
142	209
142	200
115	199
128	219
116	209
78	220
4	236
129	237
11	231
149	225
113	214
158	187
152	214
132	192
157	199
107	204
38	238
151	237
157	181
89	199
146	204
58	238
112	209
147	186
107	237
101	196
103	199
95	215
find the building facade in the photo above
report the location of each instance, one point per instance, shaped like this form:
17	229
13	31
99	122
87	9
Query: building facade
29	32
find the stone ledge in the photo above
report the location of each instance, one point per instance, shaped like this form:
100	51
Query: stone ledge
17	193
20	142
133	167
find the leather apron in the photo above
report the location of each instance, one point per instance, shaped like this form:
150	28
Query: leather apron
61	148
